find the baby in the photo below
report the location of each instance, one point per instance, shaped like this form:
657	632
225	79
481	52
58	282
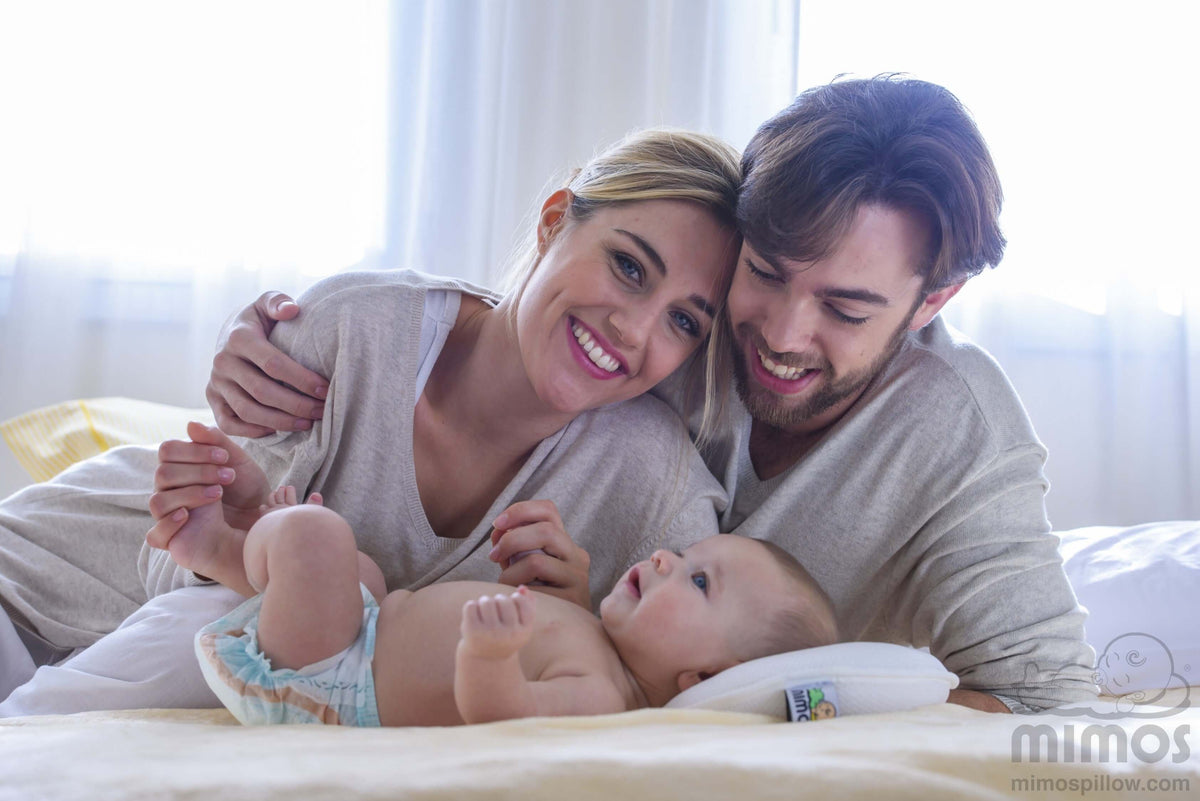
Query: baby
322	643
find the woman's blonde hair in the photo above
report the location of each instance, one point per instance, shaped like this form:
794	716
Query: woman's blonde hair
654	164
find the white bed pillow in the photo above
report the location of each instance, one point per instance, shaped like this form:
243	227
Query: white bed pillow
1141	587
854	678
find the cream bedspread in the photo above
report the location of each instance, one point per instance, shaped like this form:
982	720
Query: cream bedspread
929	753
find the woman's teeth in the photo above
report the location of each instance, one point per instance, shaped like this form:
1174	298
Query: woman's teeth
779	370
594	351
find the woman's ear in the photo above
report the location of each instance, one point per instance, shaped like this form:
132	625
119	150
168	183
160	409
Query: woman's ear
554	213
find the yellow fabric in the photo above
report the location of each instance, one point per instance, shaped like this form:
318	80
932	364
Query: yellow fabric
49	440
937	752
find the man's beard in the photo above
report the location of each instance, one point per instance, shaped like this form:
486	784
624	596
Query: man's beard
767	407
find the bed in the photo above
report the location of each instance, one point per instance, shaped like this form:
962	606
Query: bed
931	752
1141	583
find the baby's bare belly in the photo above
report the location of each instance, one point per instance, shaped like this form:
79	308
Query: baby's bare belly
415	643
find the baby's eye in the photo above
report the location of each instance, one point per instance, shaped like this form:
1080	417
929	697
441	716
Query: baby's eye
701	581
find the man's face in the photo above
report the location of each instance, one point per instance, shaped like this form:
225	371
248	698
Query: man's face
810	336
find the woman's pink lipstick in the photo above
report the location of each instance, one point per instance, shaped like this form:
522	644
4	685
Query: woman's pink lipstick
581	356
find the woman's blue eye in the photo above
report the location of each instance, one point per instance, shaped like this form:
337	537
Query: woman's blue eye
628	267
686	322
701	581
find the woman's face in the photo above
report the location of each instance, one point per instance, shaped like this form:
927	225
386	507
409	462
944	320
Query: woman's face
620	299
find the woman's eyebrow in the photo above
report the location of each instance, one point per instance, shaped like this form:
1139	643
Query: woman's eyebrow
703	305
650	251
700	301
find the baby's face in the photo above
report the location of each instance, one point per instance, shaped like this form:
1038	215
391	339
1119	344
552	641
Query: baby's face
679	612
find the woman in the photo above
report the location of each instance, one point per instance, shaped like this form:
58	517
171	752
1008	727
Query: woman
446	406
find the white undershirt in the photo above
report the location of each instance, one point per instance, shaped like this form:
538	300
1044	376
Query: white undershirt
441	312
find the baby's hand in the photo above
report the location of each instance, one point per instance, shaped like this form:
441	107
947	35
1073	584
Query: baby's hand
497	626
284	497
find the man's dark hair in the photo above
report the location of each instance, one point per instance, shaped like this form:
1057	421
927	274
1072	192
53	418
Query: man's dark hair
888	140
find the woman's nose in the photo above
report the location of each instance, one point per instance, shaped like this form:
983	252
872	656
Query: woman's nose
632	325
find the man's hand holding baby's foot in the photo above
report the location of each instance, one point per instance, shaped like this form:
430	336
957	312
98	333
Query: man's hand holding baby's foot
497	626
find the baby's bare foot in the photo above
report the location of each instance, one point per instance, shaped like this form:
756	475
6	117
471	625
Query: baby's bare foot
284	497
205	544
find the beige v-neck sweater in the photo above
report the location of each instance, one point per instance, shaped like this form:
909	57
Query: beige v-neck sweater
922	514
625	477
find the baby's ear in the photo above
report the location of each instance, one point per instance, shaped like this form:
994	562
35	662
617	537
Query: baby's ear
690	678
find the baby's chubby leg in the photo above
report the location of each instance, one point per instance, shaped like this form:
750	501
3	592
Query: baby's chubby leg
305	561
255	556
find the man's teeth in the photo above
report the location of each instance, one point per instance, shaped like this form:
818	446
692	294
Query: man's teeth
779	370
594	351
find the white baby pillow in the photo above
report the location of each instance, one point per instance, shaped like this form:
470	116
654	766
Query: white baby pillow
851	678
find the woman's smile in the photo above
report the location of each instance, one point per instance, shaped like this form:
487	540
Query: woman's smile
593	352
628	292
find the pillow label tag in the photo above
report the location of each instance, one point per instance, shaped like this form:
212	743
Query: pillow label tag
815	701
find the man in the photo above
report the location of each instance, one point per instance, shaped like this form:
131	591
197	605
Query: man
889	455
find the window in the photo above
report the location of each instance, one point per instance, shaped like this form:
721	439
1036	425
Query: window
1087	108
178	136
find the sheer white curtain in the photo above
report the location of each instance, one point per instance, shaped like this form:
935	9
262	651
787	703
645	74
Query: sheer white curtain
1095	311
162	163
490	100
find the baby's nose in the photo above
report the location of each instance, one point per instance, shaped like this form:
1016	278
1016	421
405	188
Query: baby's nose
662	561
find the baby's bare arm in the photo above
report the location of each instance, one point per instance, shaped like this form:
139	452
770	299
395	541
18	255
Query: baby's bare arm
581	694
490	684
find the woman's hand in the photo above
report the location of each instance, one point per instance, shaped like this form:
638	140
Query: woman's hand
533	548
208	469
244	389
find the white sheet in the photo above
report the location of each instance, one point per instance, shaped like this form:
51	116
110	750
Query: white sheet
147	662
1141	587
16	666
930	753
